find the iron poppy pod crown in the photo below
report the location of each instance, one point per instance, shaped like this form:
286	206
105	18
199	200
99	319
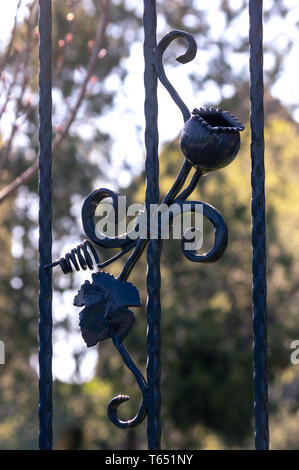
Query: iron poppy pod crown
211	138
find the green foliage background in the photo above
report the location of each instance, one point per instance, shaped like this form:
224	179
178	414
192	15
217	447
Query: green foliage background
207	392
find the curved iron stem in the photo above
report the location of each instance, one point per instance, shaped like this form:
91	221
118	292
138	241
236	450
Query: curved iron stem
191	186
134	257
88	212
115	402
168	199
183	59
179	182
220	229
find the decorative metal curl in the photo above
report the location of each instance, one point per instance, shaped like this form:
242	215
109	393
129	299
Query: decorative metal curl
210	140
115	402
183	59
220	238
77	258
88	212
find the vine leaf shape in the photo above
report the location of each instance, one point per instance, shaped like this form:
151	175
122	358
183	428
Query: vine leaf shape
106	300
210	140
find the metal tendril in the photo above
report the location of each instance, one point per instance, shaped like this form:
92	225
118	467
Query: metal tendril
78	258
117	401
183	59
117	320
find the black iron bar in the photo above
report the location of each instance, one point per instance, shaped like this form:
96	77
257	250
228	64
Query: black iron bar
80	257
155	246
258	225
45	224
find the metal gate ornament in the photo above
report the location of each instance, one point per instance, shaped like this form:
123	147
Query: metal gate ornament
210	140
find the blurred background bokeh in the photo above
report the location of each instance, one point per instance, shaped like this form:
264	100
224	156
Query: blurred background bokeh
98	125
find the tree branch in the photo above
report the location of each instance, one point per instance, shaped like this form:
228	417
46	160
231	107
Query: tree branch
24	177
30	23
11	41
90	67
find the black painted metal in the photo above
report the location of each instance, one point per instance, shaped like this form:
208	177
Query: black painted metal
183	59
258	225
211	138
78	258
106	299
45	224
153	280
115	402
106	315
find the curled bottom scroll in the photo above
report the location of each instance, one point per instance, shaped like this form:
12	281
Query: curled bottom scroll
220	230
115	402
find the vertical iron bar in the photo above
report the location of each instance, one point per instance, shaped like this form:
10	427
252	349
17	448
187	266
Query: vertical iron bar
258	225
45	224
155	246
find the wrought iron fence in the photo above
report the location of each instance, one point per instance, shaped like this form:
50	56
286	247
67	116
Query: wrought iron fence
210	140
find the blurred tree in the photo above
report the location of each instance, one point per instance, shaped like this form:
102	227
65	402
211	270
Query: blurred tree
206	310
206	322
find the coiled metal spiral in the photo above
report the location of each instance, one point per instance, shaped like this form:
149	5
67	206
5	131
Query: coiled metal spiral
78	258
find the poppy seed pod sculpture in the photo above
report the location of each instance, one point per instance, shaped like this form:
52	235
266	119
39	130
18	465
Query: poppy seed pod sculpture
211	138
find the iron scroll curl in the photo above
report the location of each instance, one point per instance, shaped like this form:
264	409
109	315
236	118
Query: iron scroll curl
106	299
220	233
117	401
89	207
188	56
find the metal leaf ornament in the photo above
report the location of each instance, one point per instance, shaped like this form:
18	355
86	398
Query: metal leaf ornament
106	300
210	140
